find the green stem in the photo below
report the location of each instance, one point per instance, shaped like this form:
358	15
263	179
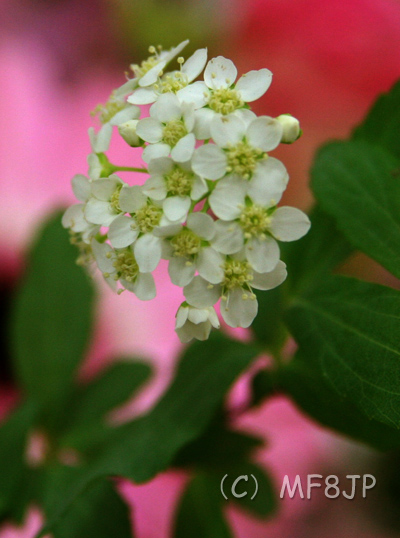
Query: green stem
128	169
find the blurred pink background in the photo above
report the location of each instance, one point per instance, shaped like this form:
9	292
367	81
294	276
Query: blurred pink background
59	59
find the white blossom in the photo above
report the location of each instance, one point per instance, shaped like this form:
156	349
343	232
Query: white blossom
103	206
120	265
291	128
168	130
173	81
240	148
194	322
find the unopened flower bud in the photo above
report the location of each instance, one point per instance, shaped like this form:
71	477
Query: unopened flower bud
128	132
291	128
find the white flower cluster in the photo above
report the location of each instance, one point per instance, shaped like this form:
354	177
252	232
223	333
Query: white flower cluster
209	204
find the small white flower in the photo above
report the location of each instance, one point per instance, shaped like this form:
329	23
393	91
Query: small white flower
253	223
239	303
140	227
128	132
189	251
168	130
240	147
175	185
147	73
220	95
121	265
102	206
194	322
173	81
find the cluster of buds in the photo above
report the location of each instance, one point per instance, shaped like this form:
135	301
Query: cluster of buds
209	202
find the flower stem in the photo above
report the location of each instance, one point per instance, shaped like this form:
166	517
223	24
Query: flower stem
128	169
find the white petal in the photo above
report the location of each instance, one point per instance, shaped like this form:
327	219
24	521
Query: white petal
268	182
200	293
155	187
246	115
166	108
254	84
265	133
74	218
155	151
168	55
176	207
128	113
121	233
150	130
191	330
212	316
237	311
220	73
103	254
198	315
98	212
160	166
227	199
181	316
195	64
142	96
196	93
199	188
209	161
184	149
152	74
210	265
147	250
81	187
126	88
104	188
95	167
289	224
268	281
202	121
202	225
180	272
144	287
227	130
263	254
131	198
167	230
228	238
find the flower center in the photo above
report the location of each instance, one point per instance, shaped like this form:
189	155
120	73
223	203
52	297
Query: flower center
173	131
114	200
179	181
242	159
85	257
225	101
107	111
172	82
186	244
126	266
148	217
254	220
145	66
237	274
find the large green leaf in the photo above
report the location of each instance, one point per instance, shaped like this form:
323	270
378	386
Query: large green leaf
143	448
99	512
199	513
357	184
13	444
52	319
305	384
382	124
353	328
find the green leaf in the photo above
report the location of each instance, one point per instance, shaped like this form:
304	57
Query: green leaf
141	449
306	385
51	320
107	391
316	254
264	503
382	124
199	512
13	442
217	447
356	183
353	328
99	511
